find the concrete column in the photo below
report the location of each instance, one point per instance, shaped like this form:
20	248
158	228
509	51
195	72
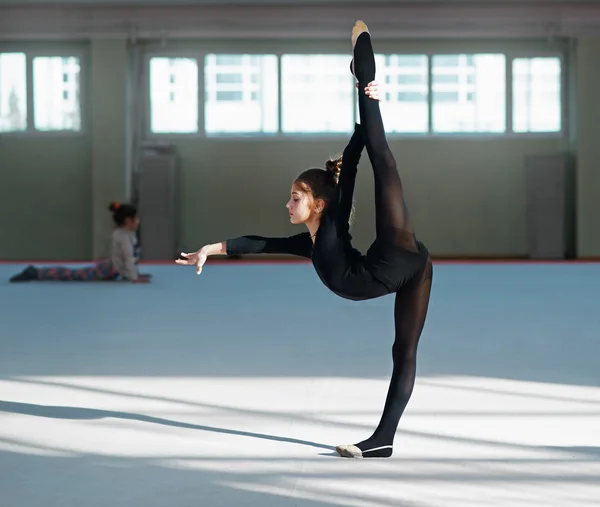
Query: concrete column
108	84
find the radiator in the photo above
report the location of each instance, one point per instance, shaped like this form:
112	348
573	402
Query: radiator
158	200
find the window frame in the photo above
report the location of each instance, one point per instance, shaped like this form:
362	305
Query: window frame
61	52
147	113
316	134
28	96
200	56
509	53
564	93
250	134
467	134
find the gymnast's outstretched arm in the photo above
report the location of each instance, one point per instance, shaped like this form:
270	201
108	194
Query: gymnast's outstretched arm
299	245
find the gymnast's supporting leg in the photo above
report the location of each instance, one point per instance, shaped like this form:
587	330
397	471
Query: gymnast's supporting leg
410	311
391	213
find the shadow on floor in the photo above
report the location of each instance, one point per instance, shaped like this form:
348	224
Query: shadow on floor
55	412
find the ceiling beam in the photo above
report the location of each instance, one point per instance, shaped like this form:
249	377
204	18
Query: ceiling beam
290	21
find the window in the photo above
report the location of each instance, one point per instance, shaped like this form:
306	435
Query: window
424	94
13	92
469	93
317	94
411	79
446	97
230	78
405	105
232	96
407	60
537	94
228	60
241	93
56	99
173	95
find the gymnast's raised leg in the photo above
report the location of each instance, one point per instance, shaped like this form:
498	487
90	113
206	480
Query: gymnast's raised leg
393	228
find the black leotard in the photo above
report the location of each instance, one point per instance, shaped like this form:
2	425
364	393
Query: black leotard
340	266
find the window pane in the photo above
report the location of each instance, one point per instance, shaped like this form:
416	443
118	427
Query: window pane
56	95
228	60
317	93
13	92
241	93
173	95
469	93
537	95
405	106
230	78
449	60
230	96
410	78
407	60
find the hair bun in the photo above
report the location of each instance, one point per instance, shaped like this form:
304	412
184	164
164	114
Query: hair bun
114	206
334	166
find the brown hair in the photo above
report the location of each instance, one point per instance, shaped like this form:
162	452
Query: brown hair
321	183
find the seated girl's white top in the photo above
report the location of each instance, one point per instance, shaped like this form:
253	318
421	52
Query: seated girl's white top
125	253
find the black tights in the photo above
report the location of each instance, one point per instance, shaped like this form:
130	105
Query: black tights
392	223
410	310
391	214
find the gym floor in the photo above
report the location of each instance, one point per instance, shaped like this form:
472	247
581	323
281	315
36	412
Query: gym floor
232	388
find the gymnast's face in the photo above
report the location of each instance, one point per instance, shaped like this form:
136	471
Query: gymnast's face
301	206
131	224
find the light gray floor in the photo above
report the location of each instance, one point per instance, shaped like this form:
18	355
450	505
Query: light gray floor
232	388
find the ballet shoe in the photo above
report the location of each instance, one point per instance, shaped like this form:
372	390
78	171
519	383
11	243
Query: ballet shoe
353	451
359	28
349	451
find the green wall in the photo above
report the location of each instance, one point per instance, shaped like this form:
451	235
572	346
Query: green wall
45	192
45	186
108	170
588	148
466	195
55	187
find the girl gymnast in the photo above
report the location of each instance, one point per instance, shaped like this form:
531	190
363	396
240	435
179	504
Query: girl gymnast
122	264
395	263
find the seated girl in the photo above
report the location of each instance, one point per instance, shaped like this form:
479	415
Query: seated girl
123	262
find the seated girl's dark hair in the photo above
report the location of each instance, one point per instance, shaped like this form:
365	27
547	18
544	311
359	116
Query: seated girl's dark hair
321	183
121	212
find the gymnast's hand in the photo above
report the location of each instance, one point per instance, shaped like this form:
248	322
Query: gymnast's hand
372	90
196	258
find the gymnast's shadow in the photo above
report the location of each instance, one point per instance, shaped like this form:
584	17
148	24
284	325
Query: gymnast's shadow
54	412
